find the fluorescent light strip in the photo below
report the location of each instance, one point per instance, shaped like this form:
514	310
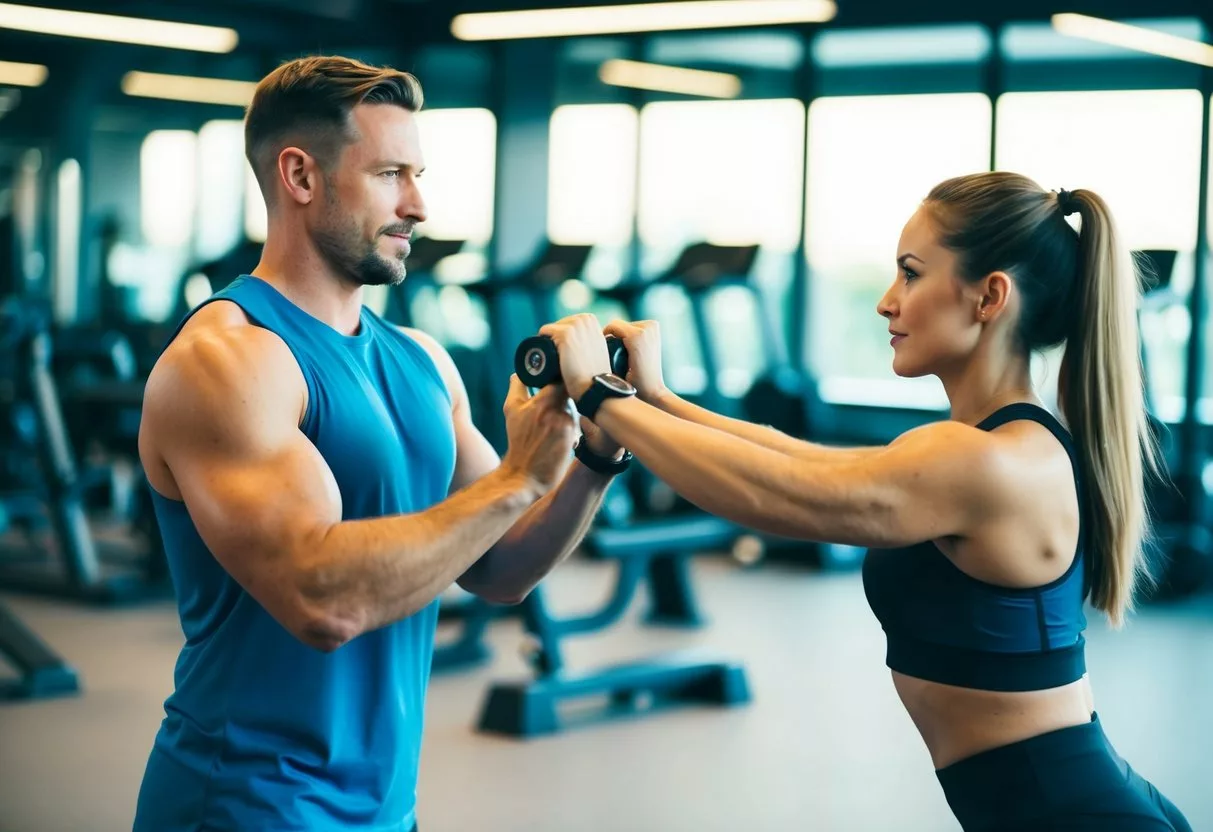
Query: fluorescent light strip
22	75
674	79
1134	37
189	88
642	17
111	27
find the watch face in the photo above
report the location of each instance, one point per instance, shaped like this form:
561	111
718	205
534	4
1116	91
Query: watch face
615	383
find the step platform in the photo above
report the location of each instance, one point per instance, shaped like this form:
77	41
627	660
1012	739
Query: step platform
532	708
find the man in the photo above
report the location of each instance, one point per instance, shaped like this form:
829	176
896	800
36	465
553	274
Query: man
319	482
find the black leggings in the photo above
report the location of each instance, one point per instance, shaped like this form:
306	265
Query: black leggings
1071	779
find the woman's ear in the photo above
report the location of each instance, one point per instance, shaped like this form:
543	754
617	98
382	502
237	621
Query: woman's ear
993	296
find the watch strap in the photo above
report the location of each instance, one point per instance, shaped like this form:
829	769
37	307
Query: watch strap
598	392
592	399
601	464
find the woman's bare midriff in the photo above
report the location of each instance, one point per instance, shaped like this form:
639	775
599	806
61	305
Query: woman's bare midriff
956	723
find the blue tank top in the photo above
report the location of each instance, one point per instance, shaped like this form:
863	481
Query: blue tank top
945	626
263	732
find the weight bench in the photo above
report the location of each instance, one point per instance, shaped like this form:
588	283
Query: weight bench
42	671
665	544
657	548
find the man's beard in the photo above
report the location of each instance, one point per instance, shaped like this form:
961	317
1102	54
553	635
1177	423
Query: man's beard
358	260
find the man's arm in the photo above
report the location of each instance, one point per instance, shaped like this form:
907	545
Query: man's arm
221	418
548	531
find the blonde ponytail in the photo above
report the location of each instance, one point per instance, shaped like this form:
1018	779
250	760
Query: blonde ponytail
1081	290
1102	397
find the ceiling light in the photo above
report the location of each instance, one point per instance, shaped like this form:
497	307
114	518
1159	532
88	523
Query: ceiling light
641	17
189	88
1134	37
674	79
22	75
115	28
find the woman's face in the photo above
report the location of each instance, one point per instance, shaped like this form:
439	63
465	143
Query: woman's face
930	309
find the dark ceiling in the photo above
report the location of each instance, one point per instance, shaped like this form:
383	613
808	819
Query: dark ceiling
85	73
272	25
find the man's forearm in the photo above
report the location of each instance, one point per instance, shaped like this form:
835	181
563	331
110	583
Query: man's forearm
364	574
762	435
549	531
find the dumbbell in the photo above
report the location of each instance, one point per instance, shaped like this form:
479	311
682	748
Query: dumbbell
537	362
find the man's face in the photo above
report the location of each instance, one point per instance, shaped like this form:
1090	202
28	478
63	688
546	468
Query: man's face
371	198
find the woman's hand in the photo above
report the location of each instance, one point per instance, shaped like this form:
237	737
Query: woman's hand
642	339
582	349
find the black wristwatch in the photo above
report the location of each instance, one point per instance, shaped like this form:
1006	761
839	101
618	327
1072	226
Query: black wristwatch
605	386
601	464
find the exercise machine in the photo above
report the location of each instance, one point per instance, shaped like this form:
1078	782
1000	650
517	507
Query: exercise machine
532	707
468	648
665	541
1182	505
778	394
41	671
61	557
472	614
632	519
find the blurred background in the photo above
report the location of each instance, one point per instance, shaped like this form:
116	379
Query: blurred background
742	175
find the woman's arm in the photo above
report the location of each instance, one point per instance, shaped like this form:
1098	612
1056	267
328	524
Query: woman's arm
945	479
762	435
643	342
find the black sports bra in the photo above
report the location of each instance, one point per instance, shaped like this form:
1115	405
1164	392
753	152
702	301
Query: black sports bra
946	626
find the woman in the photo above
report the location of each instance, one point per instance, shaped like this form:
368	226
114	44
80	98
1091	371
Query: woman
986	531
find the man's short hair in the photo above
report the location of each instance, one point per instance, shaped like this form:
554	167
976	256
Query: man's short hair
307	102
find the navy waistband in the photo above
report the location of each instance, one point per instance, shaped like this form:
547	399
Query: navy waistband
1010	780
984	670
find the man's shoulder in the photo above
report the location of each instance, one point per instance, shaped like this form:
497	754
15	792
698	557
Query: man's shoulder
221	359
222	332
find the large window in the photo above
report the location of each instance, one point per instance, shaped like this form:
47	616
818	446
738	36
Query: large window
592	184
1206	388
730	173
68	213
168	195
1140	151
871	160
221	167
256	223
723	172
167	186
460	148
592	198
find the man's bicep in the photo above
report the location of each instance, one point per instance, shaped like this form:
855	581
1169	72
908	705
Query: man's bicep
254	486
475	455
255	513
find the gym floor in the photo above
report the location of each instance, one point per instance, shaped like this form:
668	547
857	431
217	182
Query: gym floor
824	745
